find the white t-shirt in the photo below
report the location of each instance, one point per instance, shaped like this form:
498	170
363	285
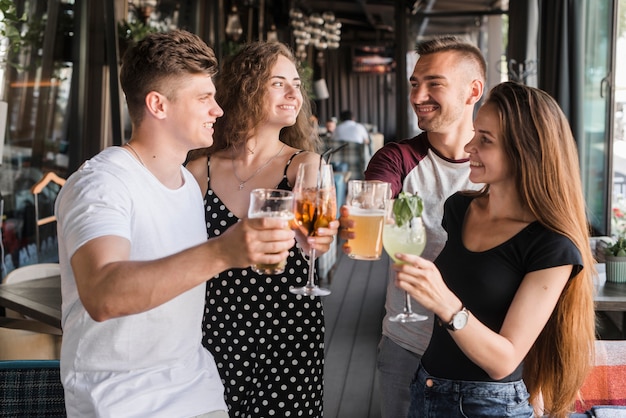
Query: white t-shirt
350	131
148	364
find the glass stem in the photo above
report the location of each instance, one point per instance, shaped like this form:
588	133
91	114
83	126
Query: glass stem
407	303
311	282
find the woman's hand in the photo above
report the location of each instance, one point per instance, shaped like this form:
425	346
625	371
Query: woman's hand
322	240
422	280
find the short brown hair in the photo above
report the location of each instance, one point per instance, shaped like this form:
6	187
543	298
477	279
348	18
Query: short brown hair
460	46
156	62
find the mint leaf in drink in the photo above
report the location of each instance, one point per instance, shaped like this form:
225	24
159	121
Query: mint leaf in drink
407	206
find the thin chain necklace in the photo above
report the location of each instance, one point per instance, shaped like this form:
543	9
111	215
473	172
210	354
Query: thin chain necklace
135	152
251	151
258	170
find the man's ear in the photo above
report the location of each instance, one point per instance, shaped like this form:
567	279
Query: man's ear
476	92
155	104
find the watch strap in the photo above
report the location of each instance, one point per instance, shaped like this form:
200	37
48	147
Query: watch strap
463	311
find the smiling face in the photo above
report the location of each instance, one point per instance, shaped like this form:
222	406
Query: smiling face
488	160
193	111
440	90
284	94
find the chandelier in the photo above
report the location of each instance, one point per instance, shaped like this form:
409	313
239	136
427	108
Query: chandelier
233	29
322	31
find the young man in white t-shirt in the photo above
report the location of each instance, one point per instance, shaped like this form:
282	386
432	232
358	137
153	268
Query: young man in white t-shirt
134	253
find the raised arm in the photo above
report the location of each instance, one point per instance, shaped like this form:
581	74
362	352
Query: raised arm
498	353
110	285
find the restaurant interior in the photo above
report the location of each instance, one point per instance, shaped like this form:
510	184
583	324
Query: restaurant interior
60	100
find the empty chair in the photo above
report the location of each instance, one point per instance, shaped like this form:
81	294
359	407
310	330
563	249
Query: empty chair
20	344
36	190
33	271
30	272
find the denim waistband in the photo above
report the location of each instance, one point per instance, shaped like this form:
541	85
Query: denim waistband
462	387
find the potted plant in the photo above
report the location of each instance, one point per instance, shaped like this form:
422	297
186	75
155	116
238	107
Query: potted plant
615	253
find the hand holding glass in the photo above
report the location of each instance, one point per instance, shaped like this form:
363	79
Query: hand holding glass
271	203
410	238
366	201
315	207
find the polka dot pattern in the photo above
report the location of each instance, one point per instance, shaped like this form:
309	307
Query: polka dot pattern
268	344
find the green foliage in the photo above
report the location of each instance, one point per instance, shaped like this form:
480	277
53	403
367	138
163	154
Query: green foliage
133	31
407	206
11	22
306	75
617	249
20	38
230	48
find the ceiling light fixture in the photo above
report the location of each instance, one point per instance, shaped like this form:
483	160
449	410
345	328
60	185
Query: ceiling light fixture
322	31
233	30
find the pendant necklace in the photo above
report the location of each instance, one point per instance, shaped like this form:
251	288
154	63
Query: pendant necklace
258	170
134	152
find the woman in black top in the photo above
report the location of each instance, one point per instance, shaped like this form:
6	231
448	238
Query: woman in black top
512	288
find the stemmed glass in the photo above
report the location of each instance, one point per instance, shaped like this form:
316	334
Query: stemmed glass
315	207
406	236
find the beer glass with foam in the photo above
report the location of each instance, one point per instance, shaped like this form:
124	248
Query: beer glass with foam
366	201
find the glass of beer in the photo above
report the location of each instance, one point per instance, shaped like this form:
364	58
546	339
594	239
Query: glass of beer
271	203
367	201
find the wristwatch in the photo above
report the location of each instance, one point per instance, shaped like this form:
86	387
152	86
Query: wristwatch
459	320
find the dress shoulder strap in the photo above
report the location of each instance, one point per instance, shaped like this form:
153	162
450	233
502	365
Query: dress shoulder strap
284	184
289	162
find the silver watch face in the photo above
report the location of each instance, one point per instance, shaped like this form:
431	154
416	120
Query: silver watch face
460	320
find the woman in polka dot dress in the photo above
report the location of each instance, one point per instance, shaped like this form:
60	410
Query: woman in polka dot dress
268	343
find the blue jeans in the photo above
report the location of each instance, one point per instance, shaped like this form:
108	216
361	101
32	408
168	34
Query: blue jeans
434	397
396	368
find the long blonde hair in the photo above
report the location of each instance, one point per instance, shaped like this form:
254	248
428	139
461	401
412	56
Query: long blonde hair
544	159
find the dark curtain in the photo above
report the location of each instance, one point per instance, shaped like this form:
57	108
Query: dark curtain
561	58
522	41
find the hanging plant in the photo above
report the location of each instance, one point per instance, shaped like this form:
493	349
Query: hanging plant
12	28
10	24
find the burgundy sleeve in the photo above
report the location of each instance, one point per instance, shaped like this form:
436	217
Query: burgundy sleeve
395	160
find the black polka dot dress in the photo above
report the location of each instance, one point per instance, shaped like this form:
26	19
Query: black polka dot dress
268	343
